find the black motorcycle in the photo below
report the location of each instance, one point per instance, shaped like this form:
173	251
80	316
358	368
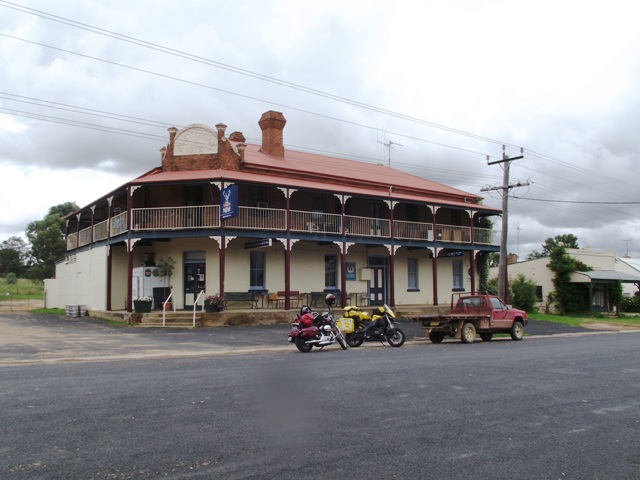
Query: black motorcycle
382	327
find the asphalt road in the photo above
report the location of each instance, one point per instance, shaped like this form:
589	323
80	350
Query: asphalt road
28	339
548	407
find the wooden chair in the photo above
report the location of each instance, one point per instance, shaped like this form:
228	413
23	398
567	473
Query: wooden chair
365	299
274	299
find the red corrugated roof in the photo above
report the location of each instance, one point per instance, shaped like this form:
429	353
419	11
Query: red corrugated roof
331	175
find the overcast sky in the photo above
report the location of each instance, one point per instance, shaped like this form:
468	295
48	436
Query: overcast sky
88	90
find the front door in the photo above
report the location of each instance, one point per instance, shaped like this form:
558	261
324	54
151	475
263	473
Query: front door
378	282
194	281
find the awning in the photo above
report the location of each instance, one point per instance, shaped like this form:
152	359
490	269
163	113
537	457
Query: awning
603	276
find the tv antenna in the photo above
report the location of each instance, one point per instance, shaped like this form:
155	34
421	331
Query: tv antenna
627	241
389	146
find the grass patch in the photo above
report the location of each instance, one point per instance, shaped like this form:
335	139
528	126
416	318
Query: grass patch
584	321
23	289
50	311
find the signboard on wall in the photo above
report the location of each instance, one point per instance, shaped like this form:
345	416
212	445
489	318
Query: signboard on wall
350	270
265	242
229	202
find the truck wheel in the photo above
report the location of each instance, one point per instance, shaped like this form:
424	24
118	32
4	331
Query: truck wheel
517	330
486	336
468	333
436	337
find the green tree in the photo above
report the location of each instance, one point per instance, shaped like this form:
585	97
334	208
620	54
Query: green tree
524	293
13	256
568	240
493	259
569	297
482	267
47	240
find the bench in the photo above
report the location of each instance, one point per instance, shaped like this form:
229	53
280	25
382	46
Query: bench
240	297
317	299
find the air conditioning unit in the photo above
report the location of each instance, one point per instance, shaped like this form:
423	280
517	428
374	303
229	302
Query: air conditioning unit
262	204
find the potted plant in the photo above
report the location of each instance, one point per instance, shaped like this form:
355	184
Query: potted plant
214	303
165	269
142	305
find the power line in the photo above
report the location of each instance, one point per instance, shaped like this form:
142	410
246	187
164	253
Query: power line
188	56
274	80
577	201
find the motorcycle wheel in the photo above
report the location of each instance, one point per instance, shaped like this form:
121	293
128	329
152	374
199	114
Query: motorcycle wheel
354	341
341	339
303	347
396	338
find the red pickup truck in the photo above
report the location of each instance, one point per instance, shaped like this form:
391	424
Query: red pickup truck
471	313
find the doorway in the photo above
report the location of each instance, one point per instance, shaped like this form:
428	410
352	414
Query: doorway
378	282
195	269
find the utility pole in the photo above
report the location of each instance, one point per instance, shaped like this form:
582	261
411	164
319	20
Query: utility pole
503	279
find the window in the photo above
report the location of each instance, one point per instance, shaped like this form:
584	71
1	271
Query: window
257	194
455	217
539	293
412	212
330	271
412	274
256	273
317	203
458	285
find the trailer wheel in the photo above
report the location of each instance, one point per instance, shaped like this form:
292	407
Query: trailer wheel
517	330
486	336
436	337
468	333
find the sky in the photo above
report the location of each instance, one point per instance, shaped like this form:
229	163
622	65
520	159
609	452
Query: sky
439	89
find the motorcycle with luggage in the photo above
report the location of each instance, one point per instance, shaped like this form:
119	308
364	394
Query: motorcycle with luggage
314	329
380	326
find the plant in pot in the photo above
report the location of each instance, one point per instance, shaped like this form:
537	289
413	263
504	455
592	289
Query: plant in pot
142	305
214	303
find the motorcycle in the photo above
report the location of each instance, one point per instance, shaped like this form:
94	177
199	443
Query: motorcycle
380	326
313	329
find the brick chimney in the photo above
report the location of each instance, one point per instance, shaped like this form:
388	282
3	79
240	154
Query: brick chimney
272	124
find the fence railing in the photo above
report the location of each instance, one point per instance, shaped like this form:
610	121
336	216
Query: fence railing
119	224
367	226
101	231
274	219
258	219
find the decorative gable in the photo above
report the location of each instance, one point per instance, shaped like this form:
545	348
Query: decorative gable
195	140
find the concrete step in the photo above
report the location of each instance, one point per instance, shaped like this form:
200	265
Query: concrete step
172	319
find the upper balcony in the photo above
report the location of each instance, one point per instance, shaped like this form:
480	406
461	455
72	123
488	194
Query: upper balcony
276	220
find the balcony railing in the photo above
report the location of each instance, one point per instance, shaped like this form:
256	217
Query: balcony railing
85	237
273	219
101	231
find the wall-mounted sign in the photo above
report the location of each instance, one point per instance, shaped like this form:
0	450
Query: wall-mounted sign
229	202
350	270
451	253
265	242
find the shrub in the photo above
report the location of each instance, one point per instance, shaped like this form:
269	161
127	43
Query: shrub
630	304
523	293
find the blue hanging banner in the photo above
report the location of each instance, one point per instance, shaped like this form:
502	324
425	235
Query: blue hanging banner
229	202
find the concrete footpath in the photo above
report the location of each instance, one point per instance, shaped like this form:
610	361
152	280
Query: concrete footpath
38	338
